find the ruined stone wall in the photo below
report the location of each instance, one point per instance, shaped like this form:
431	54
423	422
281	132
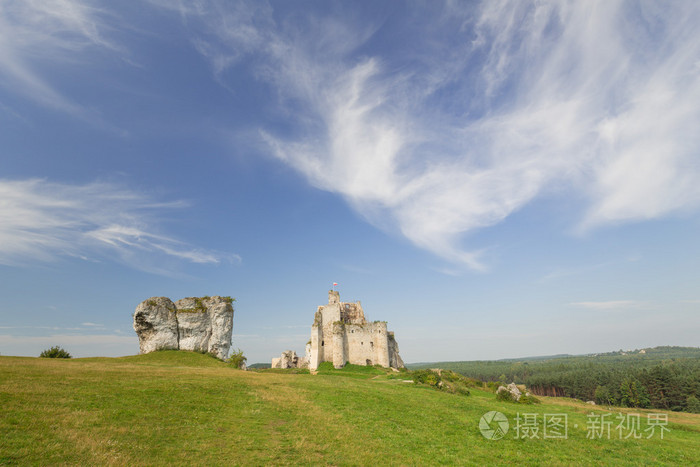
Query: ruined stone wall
340	333
322	333
316	349
366	344
289	359
338	343
352	313
322	338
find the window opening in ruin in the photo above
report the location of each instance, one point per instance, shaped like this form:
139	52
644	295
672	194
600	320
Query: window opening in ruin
321	343
371	345
368	362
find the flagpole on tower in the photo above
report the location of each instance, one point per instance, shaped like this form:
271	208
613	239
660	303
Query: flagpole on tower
335	284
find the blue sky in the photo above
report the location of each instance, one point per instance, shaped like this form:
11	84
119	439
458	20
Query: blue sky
495	179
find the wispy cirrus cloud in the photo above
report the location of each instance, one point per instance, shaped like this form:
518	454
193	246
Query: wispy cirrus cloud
495	106
612	305
38	34
44	221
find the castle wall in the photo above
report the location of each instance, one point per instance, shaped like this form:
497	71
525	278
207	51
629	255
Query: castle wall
366	344
316	352
340	334
325	317
340	355
353	313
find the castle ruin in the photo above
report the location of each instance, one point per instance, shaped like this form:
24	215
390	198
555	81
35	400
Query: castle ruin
340	333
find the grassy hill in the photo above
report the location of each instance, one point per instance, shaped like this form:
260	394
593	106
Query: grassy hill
186	408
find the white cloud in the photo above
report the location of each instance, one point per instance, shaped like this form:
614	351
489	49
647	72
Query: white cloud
37	33
493	108
612	305
40	220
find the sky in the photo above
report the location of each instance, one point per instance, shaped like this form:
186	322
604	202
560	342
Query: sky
495	179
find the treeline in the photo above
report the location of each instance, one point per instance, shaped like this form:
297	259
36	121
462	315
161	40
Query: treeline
663	377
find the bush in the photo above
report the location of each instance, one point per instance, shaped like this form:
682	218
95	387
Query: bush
55	352
237	359
504	394
525	399
444	380
492	385
426	377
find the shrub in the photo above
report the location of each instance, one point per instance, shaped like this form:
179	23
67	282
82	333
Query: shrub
425	377
529	399
504	394
55	352
444	380
237	359
492	385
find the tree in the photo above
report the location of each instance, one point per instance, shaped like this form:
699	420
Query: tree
633	394
55	352
692	404
603	396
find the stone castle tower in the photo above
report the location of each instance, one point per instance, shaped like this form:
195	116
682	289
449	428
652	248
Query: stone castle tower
340	333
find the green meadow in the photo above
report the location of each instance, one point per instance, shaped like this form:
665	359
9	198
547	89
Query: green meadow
184	408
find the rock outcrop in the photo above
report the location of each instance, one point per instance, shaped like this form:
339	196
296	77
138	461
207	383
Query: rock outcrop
289	359
513	391
395	360
155	322
200	324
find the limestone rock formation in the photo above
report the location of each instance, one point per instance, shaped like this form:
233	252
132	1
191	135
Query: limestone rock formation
289	359
512	388
395	360
200	324
155	322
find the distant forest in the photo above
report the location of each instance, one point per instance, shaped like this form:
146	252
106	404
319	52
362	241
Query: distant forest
661	378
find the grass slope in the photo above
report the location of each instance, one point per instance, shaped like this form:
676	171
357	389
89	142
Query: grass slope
186	408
